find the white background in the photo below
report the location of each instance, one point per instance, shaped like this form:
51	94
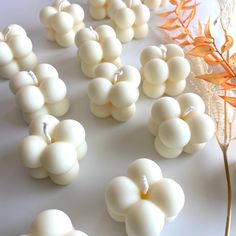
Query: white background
112	146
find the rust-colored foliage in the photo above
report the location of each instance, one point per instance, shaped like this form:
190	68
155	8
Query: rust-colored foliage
202	45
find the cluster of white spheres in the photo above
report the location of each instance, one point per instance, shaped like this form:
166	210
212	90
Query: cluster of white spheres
164	70
53	149
129	19
62	21
40	92
15	51
96	46
53	222
144	200
114	91
180	125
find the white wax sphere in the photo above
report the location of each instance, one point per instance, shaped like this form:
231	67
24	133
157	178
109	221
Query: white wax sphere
81	150
44	70
173	50
6	55
97	13
70	131
144	219
97	3
105	70
91	52
65	40
140	31
68	177
58	108
175	88
202	127
123	94
36	125
190	101
105	31
131	74
142	14
153	91
179	68
168	195
99	90
123	114
100	111
191	148
85	34
38	173
28	62
156	71
62	22
165	108
121	194
125	35
51	222
20	46
144	167
114	6
53	90
112	48
165	151
54	161
88	69
24	99
14	30
174	133
31	149
9	70
150	52
76	11
45	14
152	4
124	18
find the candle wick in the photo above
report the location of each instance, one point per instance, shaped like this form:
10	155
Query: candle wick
188	110
145	184
163	50
60	4
94	32
7	32
116	75
33	76
45	131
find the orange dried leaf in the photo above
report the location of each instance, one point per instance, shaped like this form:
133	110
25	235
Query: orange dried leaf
180	36
228	43
201	50
207	30
184	44
179	8
199	28
169	27
228	86
230	100
190	7
174	2
165	14
216	78
202	40
210	60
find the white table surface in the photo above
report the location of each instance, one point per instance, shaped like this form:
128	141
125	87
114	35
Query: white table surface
112	146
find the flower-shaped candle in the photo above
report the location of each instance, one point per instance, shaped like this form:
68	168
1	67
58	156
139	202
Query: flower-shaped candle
114	91
15	51
130	19
96	46
53	222
164	70
53	149
144	200
40	92
180	125
62	21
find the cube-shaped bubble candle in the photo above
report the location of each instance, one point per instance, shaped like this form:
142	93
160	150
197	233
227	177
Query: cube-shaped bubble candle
180	125
62	21
40	92
53	149
96	46
53	222
144	200
164	70
15	51
129	19
114	91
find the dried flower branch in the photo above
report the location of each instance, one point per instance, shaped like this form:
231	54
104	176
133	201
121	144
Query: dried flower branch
218	84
